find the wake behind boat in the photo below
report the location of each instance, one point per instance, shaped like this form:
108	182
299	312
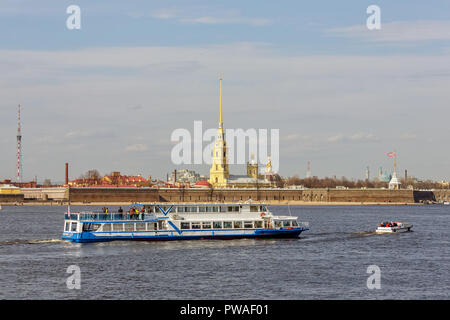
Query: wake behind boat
162	221
391	227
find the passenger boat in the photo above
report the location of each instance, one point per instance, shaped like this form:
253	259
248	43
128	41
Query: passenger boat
391	227
162	221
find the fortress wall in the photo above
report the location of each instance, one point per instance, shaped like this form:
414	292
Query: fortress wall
113	195
11	198
268	195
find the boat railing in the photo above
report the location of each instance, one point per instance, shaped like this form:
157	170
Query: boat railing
92	216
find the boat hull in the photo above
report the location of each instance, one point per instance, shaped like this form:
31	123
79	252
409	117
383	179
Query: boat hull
392	230
82	237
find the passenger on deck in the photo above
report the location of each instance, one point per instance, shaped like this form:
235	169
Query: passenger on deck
120	210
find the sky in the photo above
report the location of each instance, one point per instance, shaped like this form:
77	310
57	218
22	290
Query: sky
109	95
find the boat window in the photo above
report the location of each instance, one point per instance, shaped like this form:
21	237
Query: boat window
206	225
215	209
223	208
263	208
151	226
107	227
194	209
67	226
74	226
227	224
248	224
286	223
117	226
278	224
237	224
258	224
253	208
217	224
157	210
140	226
201	209
208	209
129	226
195	225
185	225
294	223
91	227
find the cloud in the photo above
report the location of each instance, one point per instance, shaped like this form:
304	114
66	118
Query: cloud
184	16
256	22
336	138
320	103
408	136
399	31
356	137
166	13
137	147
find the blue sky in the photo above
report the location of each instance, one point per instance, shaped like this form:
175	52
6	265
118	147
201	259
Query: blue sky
109	95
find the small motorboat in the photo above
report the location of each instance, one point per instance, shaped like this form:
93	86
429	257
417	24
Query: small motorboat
446	203
393	227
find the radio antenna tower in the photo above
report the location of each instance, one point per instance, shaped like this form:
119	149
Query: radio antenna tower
19	148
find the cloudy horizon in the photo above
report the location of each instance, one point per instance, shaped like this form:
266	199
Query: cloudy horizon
108	96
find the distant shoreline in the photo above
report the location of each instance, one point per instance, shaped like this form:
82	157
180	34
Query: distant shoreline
274	203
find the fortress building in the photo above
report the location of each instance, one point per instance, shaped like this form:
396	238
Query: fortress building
219	175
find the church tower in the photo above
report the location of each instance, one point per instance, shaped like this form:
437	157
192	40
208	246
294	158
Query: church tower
218	174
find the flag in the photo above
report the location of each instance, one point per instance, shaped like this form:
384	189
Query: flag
391	154
68	209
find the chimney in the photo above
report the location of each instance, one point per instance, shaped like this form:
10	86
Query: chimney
67	174
175	176
406	175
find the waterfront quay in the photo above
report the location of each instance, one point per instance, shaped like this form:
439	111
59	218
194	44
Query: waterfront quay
274	196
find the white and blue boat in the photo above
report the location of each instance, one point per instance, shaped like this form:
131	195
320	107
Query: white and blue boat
163	221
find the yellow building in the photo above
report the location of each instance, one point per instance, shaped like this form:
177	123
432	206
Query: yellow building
219	175
8	189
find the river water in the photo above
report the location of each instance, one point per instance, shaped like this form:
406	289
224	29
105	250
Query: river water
330	261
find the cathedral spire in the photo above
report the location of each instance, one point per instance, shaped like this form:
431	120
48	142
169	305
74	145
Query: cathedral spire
220	110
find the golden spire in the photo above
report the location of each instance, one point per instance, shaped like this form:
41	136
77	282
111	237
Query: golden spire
220	110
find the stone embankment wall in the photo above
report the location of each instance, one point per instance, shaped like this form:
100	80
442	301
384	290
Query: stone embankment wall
273	196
